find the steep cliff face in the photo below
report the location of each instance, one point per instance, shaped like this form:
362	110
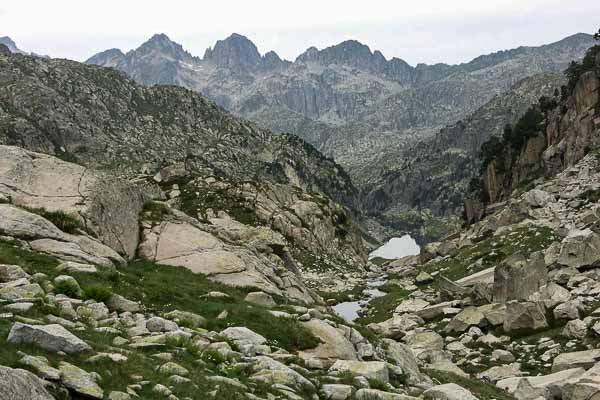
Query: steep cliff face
573	130
564	131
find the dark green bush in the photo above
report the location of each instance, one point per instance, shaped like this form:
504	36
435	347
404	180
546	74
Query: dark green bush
378	385
491	150
547	104
155	210
576	69
99	293
68	288
63	221
528	126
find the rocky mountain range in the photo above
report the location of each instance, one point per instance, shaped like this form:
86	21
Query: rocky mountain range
351	103
130	268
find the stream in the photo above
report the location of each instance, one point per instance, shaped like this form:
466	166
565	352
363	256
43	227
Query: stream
395	248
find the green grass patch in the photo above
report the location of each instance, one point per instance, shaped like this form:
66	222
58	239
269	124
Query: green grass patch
345	377
160	289
163	288
117	376
492	250
11	254
383	307
345	295
379	261
311	262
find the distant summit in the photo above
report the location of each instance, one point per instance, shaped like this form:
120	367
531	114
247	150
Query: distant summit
351	53
354	54
107	58
12	46
239	54
161	45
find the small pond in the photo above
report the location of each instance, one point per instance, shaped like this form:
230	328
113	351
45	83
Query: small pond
394	248
397	247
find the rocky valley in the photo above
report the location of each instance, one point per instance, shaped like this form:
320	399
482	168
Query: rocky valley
155	246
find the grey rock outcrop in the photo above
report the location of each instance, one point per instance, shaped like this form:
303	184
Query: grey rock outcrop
260	298
186	243
551	295
48	337
18	384
579	359
337	391
538	198
524	388
402	356
517	277
370	370
374	394
580	248
243	335
79	381
568	134
45	237
448	391
526	316
334	344
106	205
11	273
467	318
424	342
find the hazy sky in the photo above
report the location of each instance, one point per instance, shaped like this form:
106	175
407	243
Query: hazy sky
429	31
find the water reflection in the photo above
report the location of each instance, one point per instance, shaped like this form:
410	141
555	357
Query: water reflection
397	248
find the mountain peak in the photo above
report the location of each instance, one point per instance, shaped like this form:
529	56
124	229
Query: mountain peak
352	45
12	46
237	36
5	40
107	58
161	44
237	53
351	53
159	38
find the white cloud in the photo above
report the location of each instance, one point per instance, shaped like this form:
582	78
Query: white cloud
422	31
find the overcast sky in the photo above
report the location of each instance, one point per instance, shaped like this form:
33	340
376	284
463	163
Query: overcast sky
450	31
